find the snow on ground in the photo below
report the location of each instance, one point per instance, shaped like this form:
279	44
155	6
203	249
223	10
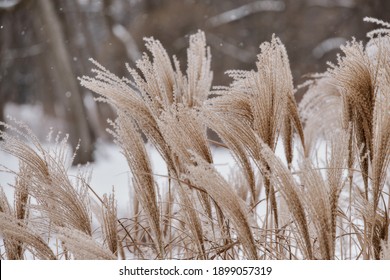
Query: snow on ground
7	179
110	170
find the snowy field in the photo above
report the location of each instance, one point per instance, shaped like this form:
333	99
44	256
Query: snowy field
109	170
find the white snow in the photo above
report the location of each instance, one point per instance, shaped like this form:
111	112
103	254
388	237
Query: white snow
109	170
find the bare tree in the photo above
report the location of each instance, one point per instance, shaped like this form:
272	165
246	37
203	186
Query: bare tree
75	111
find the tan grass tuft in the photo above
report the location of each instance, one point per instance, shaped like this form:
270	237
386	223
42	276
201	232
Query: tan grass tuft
283	180
82	246
16	231
64	202
305	210
110	222
321	112
134	151
356	78
206	177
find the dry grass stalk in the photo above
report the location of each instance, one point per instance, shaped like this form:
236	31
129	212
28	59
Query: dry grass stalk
222	119
83	246
319	204
204	176
110	222
135	153
385	254
203	216
64	202
193	222
188	136
259	104
321	112
14	248
284	181
17	232
363	79
335	176
166	95
356	78
381	122
385	30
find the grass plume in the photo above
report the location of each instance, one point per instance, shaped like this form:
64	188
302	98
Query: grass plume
325	196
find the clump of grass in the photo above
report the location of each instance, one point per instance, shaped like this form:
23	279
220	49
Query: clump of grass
302	205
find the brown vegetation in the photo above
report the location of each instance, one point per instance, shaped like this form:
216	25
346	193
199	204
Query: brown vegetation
329	206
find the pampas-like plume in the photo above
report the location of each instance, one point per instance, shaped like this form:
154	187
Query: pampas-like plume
362	77
229	116
385	30
284	181
203	216
15	248
188	135
204	176
110	222
82	246
15	230
321	112
64	203
270	90
356	78
385	254
381	121
381	143
159	86
157	94
134	151
321	193
258	104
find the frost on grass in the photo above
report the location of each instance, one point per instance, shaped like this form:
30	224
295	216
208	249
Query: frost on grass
325	196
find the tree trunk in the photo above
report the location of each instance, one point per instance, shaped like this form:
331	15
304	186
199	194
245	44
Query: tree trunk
75	112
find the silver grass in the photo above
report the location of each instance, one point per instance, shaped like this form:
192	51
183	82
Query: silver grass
82	246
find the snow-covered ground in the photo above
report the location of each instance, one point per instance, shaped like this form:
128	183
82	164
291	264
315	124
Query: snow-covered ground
109	170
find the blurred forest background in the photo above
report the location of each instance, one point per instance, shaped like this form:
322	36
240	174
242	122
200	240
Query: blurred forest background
45	46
